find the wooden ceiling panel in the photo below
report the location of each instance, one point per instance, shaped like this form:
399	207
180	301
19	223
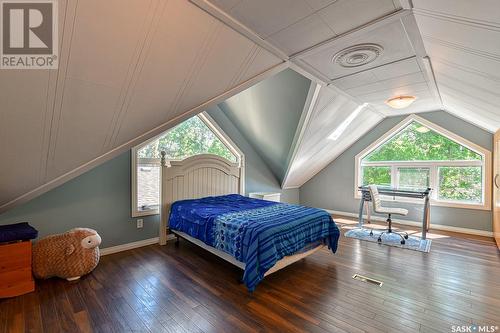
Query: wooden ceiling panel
391	37
301	35
462	41
482	11
86	117
294	25
319	4
267	17
198	68
453	59
129	68
102	50
469	112
377	85
126	67
262	59
379	97
389	84
316	150
176	54
226	4
329	151
222	70
431	49
23	116
345	15
460	35
465	97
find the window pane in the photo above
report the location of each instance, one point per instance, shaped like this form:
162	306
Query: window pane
376	175
148	186
418	143
191	137
413	178
460	184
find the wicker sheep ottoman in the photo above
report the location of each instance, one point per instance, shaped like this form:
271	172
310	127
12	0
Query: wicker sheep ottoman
68	255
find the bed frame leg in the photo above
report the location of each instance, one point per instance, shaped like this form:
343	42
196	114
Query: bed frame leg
177	240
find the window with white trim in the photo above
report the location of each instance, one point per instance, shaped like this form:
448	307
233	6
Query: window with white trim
418	154
196	135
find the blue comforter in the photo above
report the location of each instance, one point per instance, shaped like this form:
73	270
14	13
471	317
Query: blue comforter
255	232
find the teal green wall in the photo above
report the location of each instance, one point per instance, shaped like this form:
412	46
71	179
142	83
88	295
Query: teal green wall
258	176
333	187
101	198
267	115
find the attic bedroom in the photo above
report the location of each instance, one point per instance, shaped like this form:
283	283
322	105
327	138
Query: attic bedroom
249	166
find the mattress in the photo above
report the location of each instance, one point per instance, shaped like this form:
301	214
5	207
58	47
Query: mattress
253	231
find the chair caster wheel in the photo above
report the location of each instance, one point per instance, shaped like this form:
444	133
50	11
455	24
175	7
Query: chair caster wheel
403	242
379	240
406	236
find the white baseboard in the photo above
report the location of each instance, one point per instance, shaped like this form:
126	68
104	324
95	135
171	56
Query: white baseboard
133	245
155	240
418	224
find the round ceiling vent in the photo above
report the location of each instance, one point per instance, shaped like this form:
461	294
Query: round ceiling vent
358	55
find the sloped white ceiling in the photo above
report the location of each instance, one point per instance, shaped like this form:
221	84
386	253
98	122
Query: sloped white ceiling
315	150
128	70
309	33
462	38
295	25
132	68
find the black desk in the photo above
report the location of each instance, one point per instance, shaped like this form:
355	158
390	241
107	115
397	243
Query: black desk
394	192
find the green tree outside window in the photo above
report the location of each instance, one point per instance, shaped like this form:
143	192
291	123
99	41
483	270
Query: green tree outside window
459	175
418	143
191	137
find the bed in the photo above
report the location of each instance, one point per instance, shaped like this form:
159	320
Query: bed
201	202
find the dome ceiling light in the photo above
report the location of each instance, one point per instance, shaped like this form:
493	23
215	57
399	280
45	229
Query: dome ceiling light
400	102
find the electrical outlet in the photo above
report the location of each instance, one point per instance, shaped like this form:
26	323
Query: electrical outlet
140	223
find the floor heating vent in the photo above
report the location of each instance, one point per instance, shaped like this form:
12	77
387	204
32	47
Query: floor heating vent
367	279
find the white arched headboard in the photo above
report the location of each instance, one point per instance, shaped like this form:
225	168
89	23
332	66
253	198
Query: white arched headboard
196	177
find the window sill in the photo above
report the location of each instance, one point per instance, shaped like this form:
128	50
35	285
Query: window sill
433	202
149	212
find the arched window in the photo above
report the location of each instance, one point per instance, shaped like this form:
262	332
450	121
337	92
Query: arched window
419	154
196	135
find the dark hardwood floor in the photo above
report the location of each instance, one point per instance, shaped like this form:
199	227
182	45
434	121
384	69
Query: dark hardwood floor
186	289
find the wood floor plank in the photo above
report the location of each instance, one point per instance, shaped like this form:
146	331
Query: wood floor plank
186	289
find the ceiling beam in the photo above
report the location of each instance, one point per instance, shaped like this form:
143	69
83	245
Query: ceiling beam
412	31
238	27
312	97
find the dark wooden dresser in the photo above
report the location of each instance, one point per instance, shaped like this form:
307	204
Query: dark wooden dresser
15	269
